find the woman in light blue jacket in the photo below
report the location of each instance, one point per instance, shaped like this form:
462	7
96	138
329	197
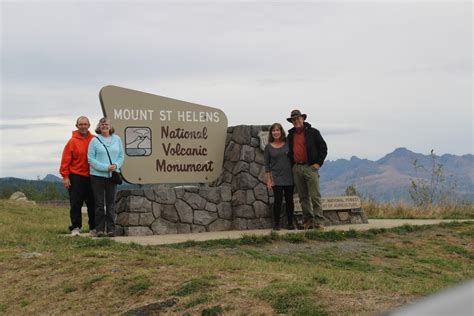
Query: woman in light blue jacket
101	168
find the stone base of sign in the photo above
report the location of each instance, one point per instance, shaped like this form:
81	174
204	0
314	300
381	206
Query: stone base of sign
237	200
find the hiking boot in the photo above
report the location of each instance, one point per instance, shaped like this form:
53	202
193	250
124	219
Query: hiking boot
101	234
76	231
110	234
93	233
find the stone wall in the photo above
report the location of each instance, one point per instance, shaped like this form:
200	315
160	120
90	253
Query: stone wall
238	199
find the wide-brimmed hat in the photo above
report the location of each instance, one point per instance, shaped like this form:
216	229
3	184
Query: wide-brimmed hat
295	113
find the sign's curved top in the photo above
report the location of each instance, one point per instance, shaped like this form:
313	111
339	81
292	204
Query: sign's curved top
165	140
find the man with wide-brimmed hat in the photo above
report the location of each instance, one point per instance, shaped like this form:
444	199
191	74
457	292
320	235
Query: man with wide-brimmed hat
307	153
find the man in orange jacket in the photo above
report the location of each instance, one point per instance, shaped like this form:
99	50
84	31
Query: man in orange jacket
76	178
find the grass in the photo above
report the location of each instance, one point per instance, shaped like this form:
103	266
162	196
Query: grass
302	273
407	211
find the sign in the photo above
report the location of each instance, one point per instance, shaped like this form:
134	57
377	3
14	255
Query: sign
165	140
263	136
334	203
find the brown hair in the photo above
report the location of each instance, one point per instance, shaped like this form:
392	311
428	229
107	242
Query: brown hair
103	120
283	134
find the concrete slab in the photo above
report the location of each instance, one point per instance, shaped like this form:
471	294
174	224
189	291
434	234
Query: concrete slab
236	234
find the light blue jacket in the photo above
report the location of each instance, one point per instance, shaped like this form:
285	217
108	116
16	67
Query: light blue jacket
98	159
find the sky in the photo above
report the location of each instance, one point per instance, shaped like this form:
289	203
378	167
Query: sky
371	76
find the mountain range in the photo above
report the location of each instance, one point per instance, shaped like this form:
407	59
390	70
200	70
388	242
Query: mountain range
386	179
389	178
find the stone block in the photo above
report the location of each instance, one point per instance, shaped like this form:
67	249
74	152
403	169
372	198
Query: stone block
194	200
332	216
343	216
119	231
261	192
255	169
185	212
128	219
156	209
229	166
169	213
262	176
211	207
220	225
245	211
239	224
250	197
198	229
179	193
139	204
254	224
137	231
259	158
183	228
149	194
261	209
226	193
247	153
165	196
224	210
355	219
162	227
192	189
239	167
255	142
242	134
146	219
232	152
227	177
211	194
239	198
202	217
244	181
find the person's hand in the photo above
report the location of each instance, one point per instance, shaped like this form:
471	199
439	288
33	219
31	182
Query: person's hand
269	184
67	183
316	166
112	167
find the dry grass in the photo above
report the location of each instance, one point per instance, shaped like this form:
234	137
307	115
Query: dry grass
407	211
363	274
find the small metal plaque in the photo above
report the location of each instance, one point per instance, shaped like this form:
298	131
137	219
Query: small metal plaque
333	203
263	136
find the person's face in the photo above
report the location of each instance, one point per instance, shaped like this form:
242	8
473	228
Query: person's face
83	126
105	128
276	133
298	122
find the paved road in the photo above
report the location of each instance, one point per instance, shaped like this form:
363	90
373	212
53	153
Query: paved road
236	234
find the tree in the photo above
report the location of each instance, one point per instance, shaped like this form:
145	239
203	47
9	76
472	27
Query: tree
351	190
433	189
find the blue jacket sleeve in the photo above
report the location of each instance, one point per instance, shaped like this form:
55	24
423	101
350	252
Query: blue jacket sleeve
121	157
92	157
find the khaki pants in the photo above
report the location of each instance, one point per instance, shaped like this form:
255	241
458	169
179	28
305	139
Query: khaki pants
307	184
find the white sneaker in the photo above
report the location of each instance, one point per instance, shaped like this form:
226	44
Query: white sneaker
76	232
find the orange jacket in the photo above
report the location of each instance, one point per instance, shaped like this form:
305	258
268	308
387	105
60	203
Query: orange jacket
74	159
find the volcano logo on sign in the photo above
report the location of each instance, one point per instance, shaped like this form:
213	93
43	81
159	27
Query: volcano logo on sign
138	141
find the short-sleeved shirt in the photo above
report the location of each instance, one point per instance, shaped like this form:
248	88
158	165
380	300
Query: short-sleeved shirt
278	163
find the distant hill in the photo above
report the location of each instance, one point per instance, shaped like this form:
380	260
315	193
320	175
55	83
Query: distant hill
389	178
35	190
52	178
386	179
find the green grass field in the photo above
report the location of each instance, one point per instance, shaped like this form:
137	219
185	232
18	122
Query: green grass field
313	273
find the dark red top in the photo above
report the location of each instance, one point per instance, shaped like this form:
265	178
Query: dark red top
299	147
